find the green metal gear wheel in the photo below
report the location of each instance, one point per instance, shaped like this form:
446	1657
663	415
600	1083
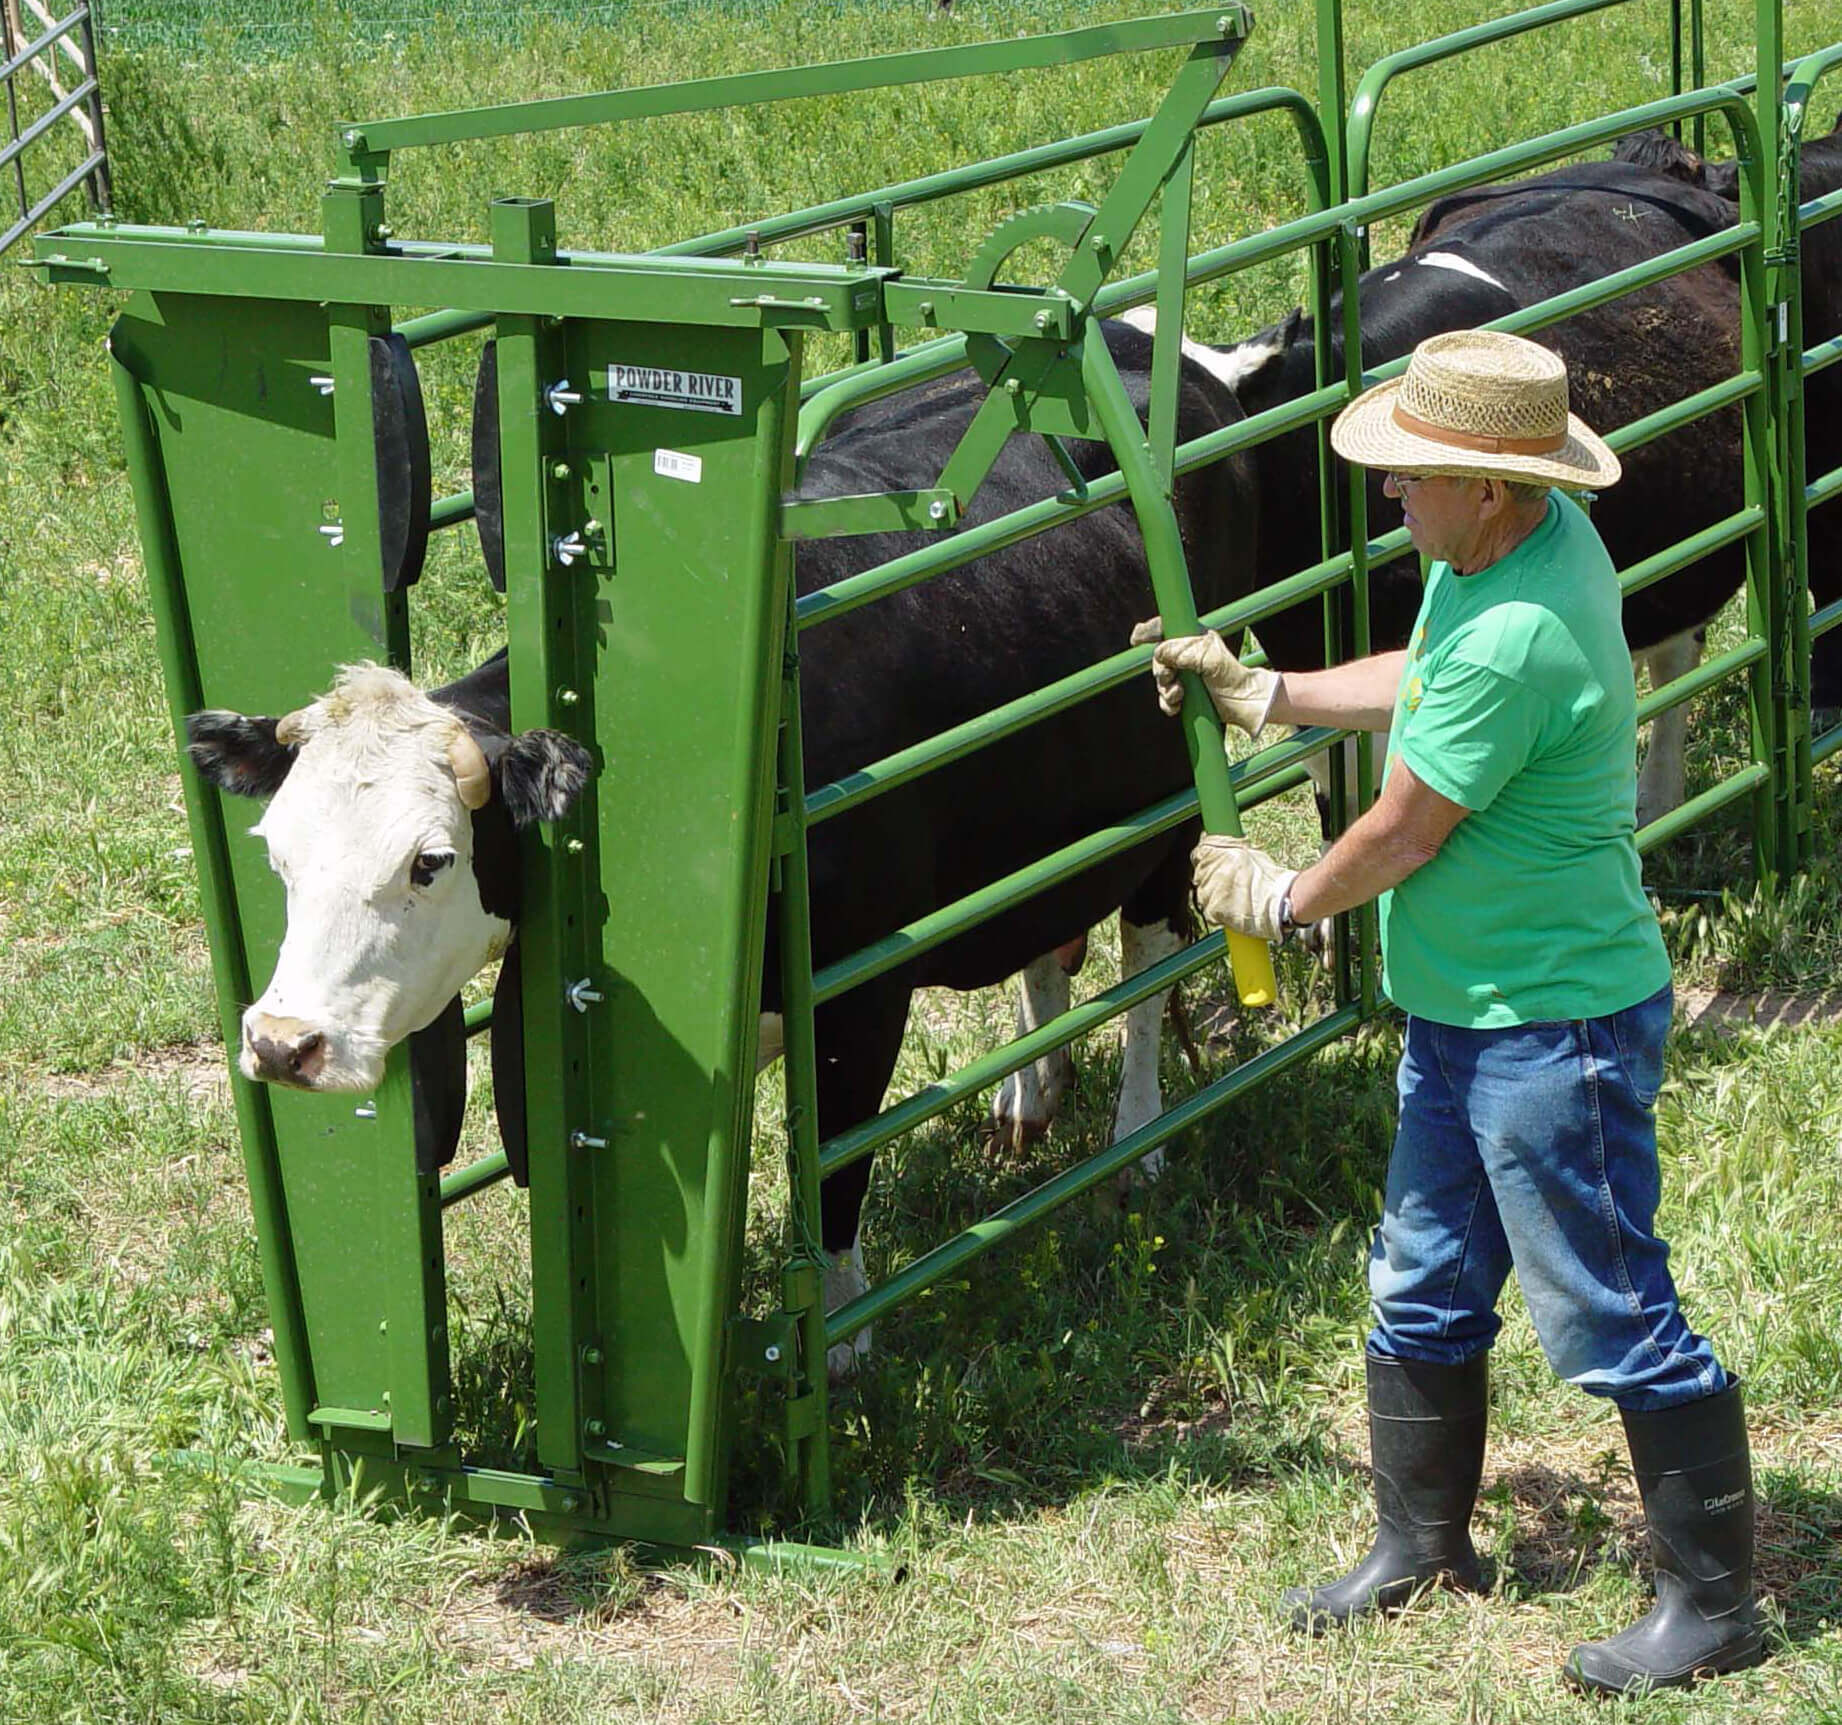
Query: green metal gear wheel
1066	223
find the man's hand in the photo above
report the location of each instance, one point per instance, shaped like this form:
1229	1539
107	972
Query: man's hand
1240	887
1242	696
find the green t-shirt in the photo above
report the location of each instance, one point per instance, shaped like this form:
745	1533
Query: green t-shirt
1517	701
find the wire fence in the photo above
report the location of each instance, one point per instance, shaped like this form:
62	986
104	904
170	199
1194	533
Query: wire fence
282	27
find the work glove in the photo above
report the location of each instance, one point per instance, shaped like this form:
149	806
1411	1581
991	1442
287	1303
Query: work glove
1240	887
1242	696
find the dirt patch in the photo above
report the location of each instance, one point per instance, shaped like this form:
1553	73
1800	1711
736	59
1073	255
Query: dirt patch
1714	1009
200	1068
552	1606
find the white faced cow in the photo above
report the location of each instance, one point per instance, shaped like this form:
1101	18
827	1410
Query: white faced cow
392	810
389	825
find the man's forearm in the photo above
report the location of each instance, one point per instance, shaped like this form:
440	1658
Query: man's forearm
1358	696
1377	853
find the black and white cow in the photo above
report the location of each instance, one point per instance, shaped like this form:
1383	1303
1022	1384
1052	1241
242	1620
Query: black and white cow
1820	277
392	811
1480	255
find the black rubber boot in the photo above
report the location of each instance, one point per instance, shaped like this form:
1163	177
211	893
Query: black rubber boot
1426	1443
1695	1477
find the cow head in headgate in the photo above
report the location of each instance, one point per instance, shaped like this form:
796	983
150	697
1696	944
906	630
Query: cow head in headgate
391	823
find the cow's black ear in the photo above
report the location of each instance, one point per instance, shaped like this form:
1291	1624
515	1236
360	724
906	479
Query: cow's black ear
237	753
540	774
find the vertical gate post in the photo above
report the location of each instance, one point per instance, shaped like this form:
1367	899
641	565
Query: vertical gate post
545	626
803	1279
1765	317
1796	672
1342	507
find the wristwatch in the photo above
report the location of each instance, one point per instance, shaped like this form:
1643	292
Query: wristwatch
1286	921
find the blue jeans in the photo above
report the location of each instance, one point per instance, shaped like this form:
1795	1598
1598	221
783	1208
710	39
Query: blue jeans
1536	1147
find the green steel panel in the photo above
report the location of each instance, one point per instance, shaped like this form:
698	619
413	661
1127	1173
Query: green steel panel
663	641
274	606
686	688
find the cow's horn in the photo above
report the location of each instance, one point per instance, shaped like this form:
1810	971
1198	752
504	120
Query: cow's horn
472	777
291	728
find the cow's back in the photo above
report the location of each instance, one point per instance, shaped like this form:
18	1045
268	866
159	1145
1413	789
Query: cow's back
906	667
1630	357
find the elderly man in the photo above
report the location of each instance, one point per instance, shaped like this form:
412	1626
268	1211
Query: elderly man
1516	936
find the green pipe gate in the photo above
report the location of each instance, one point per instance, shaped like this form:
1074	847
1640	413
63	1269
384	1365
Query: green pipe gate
260	366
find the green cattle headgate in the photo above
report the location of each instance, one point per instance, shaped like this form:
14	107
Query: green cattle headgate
272	370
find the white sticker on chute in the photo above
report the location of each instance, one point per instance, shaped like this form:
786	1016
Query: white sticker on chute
666	386
669	464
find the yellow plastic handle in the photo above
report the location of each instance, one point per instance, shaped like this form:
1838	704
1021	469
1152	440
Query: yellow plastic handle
1253	969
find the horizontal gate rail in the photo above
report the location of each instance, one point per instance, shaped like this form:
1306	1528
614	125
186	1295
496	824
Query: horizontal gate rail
46	121
475	1177
439	326
1380	75
1822	356
1666	562
1018	715
975	176
1704	676
981	1237
44	206
921	364
451	511
1738	388
1051	512
924	1105
1697	809
82	103
939	926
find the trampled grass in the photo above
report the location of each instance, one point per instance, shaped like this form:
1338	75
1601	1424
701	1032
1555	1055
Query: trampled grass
1102	1452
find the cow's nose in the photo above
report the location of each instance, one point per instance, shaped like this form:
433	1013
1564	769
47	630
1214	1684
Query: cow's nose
285	1050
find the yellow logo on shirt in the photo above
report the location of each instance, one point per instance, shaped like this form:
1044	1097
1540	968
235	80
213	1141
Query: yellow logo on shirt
1415	694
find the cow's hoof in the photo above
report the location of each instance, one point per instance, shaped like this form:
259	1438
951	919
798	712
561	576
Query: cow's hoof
1027	1102
844	1281
1011	1132
843	1358
1135	1176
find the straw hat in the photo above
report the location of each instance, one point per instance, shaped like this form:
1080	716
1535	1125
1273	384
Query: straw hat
1476	402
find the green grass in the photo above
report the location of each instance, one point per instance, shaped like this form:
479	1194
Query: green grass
1103	1451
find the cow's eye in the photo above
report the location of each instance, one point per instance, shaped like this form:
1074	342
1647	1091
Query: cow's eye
429	864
